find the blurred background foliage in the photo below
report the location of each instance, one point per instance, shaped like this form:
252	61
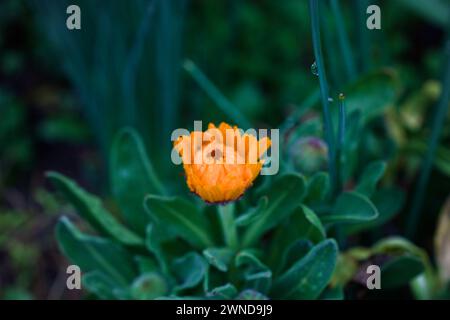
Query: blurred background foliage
152	64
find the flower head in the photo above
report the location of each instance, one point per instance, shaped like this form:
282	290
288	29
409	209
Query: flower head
222	162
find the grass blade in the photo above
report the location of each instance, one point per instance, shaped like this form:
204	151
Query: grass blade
223	103
329	134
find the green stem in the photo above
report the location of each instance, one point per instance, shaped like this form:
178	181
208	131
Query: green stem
437	125
329	134
226	214
344	43
221	101
342	122
341	137
340	236
327	33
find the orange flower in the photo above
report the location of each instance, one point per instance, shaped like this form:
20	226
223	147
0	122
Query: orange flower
221	163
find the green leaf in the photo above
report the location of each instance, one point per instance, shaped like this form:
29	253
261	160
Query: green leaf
229	109
309	225
90	208
183	217
257	275
388	202
94	253
219	257
284	195
153	245
398	245
370	177
296	250
99	284
174	297
249	294
400	271
302	224
350	148
189	270
146	264
317	188
307	278
132	177
372	94
122	294
227	291
351	207
149	286
253	213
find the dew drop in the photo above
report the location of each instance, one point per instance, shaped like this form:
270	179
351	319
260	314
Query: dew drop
330	99
314	69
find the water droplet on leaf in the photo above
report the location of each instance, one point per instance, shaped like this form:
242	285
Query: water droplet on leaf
314	69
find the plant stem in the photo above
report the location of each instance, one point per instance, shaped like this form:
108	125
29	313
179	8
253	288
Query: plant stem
341	137
221	101
329	134
344	43
226	214
437	125
340	236
342	122
327	33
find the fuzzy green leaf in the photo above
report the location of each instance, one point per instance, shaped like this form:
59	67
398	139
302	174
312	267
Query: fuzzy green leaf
94	253
249	294
145	264
99	284
153	245
253	213
132	177
309	225
181	216
317	187
90	208
284	195
227	291
296	250
370	177
257	275
189	270
400	271
372	94
307	278
351	207
218	257
388	202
